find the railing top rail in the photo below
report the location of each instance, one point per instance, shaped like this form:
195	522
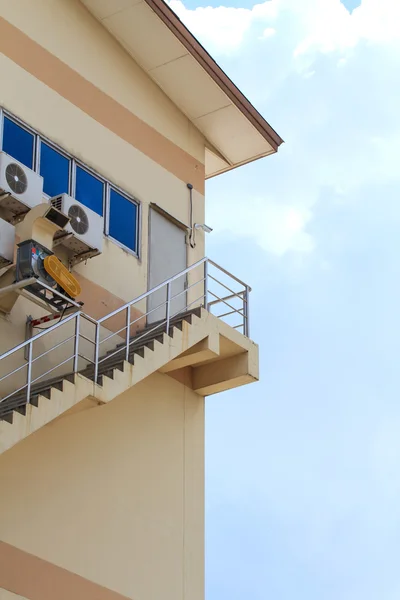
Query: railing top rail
228	273
38	336
98	322
154	289
238	294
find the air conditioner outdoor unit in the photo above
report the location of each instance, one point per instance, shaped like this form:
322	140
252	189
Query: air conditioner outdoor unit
7	243
20	188
84	232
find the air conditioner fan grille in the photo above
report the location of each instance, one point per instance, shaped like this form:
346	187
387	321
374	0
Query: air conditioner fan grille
79	220
16	178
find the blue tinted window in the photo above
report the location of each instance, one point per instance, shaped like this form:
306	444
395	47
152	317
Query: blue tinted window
18	142
123	220
54	168
89	190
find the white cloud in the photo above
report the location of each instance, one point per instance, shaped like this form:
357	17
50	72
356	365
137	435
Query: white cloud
275	228
319	455
333	28
325	25
222	26
268	32
315	71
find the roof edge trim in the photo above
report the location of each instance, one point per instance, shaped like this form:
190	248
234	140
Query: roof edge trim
240	164
182	33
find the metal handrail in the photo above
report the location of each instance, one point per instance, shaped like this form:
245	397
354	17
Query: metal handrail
114	333
36	337
238	310
79	316
214	264
13	372
226	287
68	339
240	295
152	291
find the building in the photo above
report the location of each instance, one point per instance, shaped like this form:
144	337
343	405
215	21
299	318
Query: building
112	117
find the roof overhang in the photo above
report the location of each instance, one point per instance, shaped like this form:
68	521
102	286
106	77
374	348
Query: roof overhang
159	42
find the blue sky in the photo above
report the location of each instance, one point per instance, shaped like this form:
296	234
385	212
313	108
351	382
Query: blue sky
303	468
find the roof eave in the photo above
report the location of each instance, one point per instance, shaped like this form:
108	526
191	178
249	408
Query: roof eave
233	166
200	54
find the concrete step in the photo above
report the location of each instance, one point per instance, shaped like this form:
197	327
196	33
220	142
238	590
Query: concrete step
146	338
158	328
17	402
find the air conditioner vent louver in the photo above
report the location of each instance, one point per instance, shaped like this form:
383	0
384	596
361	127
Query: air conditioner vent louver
16	178
79	221
57	203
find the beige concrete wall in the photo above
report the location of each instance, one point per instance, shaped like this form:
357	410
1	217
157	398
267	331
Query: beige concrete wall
116	493
6	595
67	30
72	34
113	158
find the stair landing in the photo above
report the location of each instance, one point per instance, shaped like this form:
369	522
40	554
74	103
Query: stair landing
199	350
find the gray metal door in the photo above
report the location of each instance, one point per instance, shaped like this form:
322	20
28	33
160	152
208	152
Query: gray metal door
167	257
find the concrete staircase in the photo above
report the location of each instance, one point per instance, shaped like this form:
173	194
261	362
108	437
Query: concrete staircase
199	350
49	399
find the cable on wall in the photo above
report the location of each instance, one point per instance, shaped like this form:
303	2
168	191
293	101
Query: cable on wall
192	242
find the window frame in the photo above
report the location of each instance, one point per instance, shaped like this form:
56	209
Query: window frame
1	128
108	184
90	171
122	193
42	139
22	125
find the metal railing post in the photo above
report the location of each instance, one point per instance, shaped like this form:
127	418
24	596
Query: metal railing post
206	284
76	342
28	334
246	312
29	374
128	331
168	305
206	295
96	352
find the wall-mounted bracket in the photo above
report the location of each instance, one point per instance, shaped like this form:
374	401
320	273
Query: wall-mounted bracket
78	258
58	241
47	297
